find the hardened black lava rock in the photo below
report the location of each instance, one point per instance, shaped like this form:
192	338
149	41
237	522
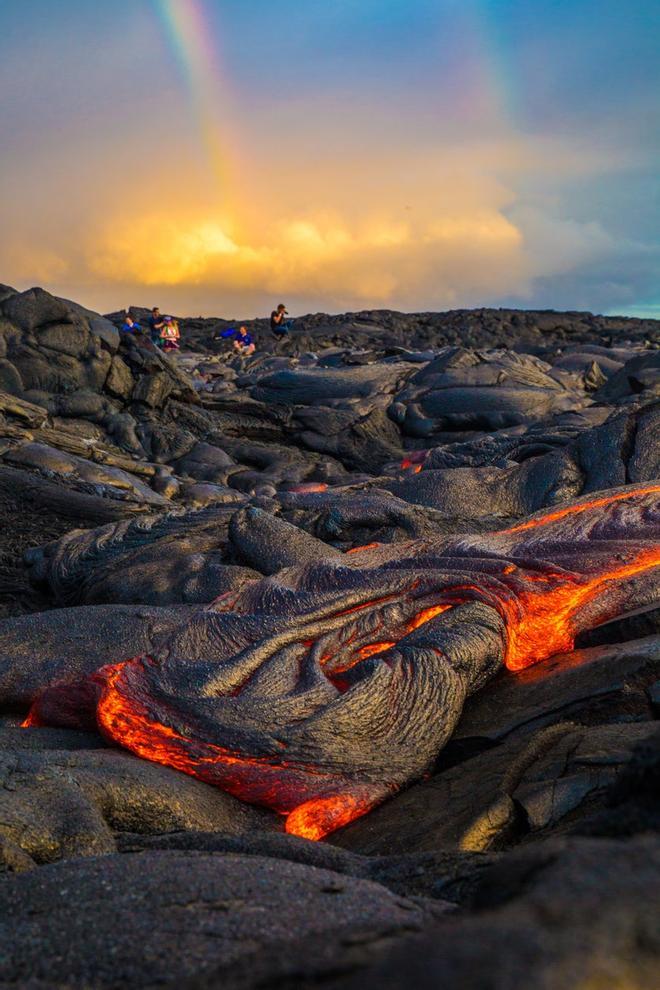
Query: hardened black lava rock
331	588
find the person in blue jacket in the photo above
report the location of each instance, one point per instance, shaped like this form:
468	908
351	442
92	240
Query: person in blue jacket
243	342
130	326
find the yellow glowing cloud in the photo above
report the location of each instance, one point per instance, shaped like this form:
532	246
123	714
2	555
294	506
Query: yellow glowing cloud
160	251
403	230
33	263
482	228
368	260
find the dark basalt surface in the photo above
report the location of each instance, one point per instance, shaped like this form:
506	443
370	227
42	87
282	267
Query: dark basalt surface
199	511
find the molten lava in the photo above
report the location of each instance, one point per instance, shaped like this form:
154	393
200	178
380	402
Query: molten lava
542	623
318	697
309	488
372	649
32	721
317	818
252	779
414	460
580	507
425	616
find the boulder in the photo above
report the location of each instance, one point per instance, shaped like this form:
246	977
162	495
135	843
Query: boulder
56	804
35	308
564	914
229	914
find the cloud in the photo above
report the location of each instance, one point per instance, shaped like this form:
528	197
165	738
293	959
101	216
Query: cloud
371	260
555	245
452	174
30	263
403	230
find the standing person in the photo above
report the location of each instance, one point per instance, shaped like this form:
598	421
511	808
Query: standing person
243	342
280	327
156	324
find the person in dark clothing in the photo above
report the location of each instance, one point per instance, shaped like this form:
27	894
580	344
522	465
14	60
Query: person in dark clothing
278	325
243	342
156	325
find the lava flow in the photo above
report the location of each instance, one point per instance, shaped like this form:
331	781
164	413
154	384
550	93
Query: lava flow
588	505
343	683
317	818
545	622
254	780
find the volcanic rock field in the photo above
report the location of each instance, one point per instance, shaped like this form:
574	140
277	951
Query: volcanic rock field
337	665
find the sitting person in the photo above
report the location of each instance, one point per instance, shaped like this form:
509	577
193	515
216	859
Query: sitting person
170	334
243	342
278	325
130	326
156	324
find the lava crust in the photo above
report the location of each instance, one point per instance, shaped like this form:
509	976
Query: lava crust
324	689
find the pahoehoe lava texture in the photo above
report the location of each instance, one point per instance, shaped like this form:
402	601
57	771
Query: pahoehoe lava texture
245	600
321	691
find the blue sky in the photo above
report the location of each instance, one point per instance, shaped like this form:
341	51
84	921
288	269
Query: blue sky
426	154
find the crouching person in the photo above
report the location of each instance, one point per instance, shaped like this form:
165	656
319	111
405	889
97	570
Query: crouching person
243	342
170	334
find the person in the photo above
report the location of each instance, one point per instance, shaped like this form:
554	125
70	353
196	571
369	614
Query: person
156	324
278	325
170	334
243	342
130	326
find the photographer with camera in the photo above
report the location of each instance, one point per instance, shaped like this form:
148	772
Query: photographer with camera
280	327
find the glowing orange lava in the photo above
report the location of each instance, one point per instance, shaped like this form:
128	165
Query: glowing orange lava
128	723
574	510
367	546
371	649
542	607
414	460
255	780
426	616
317	818
32	721
541	623
309	487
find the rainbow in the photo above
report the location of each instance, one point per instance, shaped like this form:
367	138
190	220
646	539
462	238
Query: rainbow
190	36
477	59
500	73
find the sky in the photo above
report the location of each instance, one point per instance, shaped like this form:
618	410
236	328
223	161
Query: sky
217	157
